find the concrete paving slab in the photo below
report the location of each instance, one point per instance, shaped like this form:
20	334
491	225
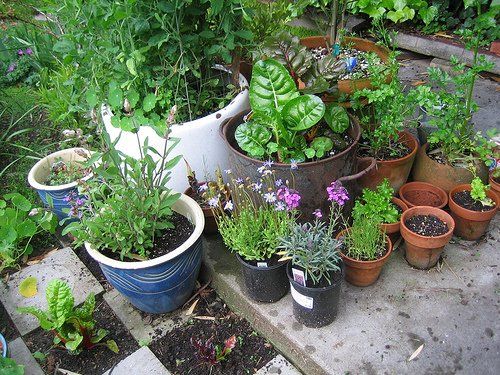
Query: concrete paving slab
62	264
142	361
142	326
278	365
19	352
452	311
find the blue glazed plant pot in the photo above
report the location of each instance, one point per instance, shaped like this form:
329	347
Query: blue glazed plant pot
165	283
4	346
58	193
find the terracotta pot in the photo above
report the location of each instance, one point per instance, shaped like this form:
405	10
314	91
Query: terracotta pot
423	252
495	186
392	229
423	194
310	179
349	86
364	273
443	175
471	225
397	170
210	223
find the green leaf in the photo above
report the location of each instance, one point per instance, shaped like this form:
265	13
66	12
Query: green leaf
26	229
101	333
310	152
322	145
86	311
252	138
73	344
130	63
149	102
271	86
39	356
469	3
133	97
111	344
42	317
337	118
9	367
60	301
19	201
303	112
428	14
28	287
91	97
63	46
115	96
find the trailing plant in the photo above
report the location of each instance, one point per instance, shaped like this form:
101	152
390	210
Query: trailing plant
258	214
364	240
9	367
283	123
20	222
312	246
377	204
74	328
128	202
212	354
478	192
451	110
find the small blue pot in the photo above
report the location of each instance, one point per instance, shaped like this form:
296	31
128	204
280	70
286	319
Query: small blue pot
41	170
162	284
4	346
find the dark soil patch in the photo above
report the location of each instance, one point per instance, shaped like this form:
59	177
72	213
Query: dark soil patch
95	361
464	199
427	225
7	327
170	239
177	353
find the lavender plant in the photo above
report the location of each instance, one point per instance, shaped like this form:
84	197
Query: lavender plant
259	213
312	246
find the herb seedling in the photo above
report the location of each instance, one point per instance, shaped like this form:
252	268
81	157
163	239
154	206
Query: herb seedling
377	204
73	327
478	192
364	240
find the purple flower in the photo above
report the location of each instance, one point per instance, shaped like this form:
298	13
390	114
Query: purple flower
239	181
280	206
282	191
28	51
67	198
79	202
293	164
227	171
278	182
20	52
257	186
11	68
317	213
337	193
213	202
268	163
292	200
270	197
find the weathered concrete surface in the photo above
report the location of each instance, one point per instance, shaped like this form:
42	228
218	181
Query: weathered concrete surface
142	361
452	310
20	353
278	365
62	264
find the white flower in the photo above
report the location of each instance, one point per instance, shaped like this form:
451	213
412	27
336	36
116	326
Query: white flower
261	169
213	202
267	172
280	206
270	197
229	206
33	212
257	186
268	163
203	187
227	171
278	182
293	164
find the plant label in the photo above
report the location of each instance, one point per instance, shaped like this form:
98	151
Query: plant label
261	264
301	299
299	276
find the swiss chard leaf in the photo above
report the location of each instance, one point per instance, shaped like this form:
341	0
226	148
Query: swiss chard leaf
303	112
252	137
60	301
337	118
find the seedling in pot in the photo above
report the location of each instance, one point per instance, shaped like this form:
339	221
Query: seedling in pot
211	354
64	172
73	327
478	192
377	204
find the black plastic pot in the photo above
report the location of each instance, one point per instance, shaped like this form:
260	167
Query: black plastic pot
265	284
315	307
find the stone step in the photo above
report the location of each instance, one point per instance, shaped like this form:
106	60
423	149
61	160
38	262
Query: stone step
20	353
142	361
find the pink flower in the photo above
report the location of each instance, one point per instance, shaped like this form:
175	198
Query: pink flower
20	52
317	213
337	193
28	51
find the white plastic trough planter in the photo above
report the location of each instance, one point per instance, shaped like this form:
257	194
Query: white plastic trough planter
200	143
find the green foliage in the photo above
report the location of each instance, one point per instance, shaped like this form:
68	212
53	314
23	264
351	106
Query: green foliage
396	10
62	172
129	203
312	247
377	204
74	327
9	367
19	223
478	192
364	240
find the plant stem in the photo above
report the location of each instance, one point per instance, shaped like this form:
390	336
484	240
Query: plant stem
333	22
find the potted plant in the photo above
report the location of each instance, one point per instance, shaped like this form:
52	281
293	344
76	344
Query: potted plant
146	238
260	212
494	180
383	121
426	231
472	207
294	132
423	194
3	346
454	152
383	207
56	177
315	270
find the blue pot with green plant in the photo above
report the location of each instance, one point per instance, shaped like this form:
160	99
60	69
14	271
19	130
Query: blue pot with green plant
3	344
146	238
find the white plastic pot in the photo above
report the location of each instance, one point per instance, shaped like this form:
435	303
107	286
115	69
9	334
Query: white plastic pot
200	143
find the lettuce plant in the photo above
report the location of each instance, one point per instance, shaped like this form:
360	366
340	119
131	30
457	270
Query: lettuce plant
73	327
478	192
377	204
281	125
212	354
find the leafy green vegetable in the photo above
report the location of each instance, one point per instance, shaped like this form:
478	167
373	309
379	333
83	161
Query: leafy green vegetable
377	204
337	118
478	192
74	327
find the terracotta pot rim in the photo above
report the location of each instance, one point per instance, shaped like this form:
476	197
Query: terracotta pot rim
494	185
416	209
372	165
405	158
354	124
388	244
471	214
430	187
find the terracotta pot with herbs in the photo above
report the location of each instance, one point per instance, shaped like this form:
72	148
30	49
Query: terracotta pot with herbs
473	207
426	230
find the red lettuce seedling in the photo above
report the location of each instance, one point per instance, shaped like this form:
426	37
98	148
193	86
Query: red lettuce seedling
213	354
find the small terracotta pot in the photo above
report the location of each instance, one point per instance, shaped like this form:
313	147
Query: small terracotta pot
364	273
423	252
392	229
397	170
423	194
495	186
471	225
210	222
443	175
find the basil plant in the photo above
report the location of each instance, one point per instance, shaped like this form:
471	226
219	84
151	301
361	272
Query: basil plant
285	125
